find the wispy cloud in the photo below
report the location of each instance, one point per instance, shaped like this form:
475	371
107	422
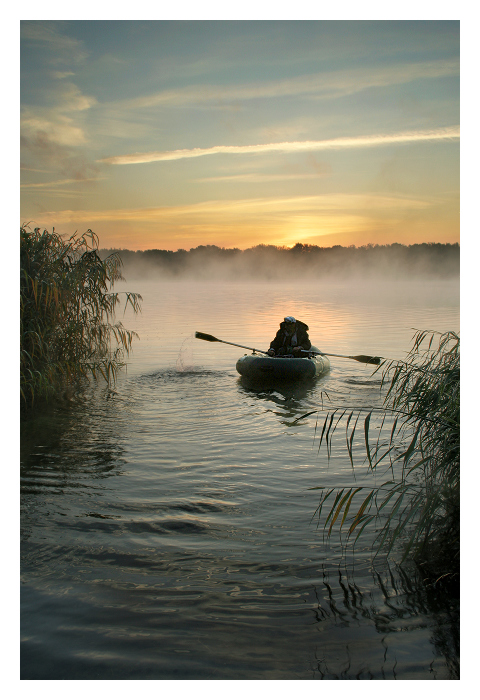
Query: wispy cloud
56	46
59	122
327	85
54	134
57	129
450	132
60	74
261	177
71	99
57	183
329	203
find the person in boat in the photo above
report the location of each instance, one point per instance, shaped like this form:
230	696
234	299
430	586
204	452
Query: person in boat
291	338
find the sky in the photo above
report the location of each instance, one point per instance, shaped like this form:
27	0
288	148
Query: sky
174	134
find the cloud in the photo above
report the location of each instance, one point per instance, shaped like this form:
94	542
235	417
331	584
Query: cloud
450	132
330	85
60	74
71	99
58	123
261	177
57	146
56	47
57	183
55	136
41	131
303	205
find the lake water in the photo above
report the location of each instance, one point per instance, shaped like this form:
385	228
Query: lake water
167	527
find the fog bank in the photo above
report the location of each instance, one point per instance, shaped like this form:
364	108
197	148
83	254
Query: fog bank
267	262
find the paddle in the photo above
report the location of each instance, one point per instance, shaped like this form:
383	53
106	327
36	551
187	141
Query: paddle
212	339
367	359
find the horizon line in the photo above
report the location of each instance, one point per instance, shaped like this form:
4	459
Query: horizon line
281	247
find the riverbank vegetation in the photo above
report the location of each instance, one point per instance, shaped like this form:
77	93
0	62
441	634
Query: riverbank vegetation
67	313
432	260
412	447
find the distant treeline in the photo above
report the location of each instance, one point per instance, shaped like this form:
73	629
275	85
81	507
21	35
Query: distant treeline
273	262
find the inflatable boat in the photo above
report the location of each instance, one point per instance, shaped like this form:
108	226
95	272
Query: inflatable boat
289	369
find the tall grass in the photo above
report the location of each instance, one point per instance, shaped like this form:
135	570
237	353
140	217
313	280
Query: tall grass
416	448
67	313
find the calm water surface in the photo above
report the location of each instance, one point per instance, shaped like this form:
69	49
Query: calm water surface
167	527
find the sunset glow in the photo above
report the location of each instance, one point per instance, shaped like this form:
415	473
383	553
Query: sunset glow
174	134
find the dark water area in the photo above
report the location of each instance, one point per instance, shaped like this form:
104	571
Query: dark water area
168	526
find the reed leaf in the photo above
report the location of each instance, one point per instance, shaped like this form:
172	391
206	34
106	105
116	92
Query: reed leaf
332	509
361	511
365	520
421	413
323	431
339	508
367	444
349	502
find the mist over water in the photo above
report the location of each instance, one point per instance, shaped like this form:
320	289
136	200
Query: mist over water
268	262
167	527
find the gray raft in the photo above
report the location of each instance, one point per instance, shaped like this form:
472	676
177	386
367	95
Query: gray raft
289	369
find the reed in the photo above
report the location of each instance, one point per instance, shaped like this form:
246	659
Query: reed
67	313
415	445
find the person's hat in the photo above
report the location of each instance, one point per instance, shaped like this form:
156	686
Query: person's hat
289	319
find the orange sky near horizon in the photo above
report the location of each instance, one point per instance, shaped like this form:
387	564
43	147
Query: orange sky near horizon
171	230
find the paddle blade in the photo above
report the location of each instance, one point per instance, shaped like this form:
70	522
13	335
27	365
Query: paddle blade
367	359
206	336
